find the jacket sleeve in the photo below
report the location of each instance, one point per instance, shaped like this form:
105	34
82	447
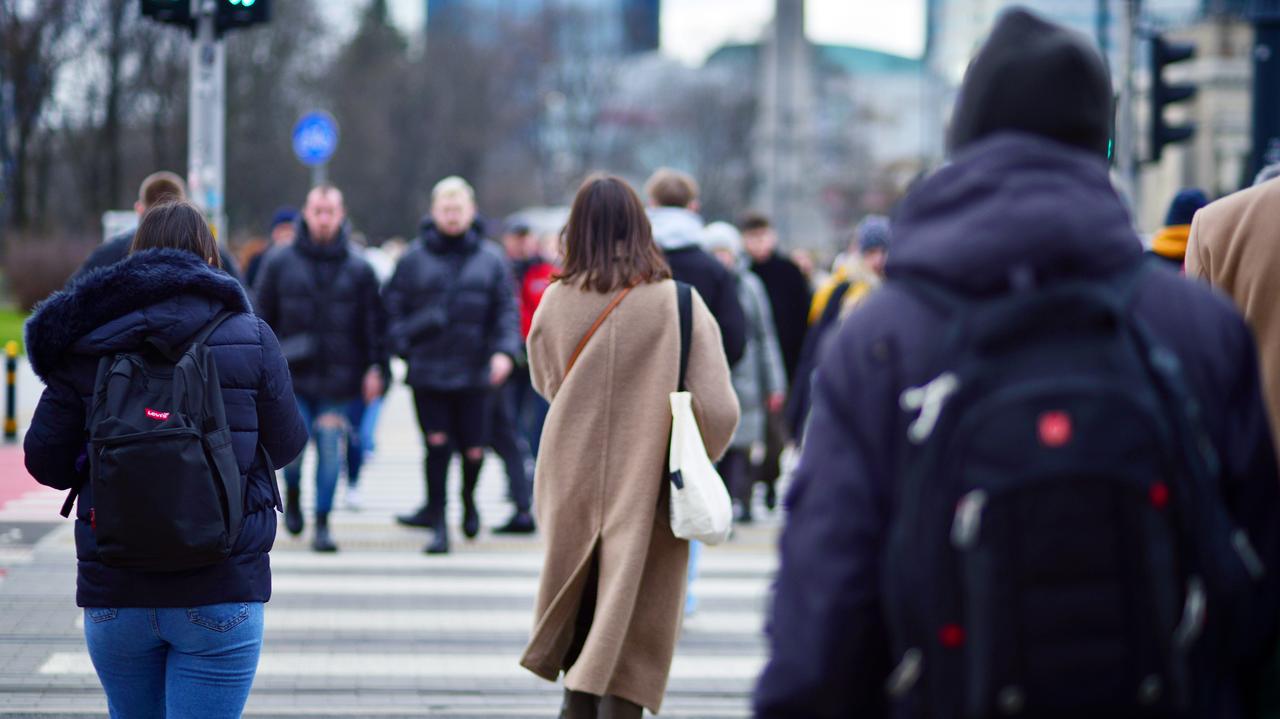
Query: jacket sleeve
394	301
56	439
1195	264
281	429
1251	488
733	321
829	651
775	371
715	404
375	324
267	290
504	328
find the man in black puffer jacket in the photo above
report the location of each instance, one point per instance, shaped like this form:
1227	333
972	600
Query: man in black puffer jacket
323	302
454	319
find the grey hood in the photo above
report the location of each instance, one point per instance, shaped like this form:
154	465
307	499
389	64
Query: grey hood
675	228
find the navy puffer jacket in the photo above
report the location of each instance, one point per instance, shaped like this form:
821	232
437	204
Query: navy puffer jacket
1008	202
451	309
171	295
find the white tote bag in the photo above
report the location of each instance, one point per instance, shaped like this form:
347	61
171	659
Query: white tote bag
700	506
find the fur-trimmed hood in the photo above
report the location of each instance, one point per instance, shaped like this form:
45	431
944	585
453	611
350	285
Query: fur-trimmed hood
169	294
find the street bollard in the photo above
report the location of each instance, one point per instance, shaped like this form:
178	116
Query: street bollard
11	392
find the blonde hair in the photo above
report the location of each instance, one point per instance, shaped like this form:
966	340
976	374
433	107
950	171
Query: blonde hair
671	188
453	186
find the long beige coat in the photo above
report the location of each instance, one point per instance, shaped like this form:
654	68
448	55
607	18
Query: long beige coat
601	484
1234	245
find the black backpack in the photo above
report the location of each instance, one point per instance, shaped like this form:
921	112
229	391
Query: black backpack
1060	547
167	490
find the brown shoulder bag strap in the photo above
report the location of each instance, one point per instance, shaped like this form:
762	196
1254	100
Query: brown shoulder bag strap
573	359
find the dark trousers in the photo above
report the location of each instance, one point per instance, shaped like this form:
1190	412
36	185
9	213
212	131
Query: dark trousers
527	407
736	471
511	447
776	437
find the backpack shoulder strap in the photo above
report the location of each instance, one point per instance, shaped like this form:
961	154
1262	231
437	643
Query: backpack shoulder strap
684	304
213	325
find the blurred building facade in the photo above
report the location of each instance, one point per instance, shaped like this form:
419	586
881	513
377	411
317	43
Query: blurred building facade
626	26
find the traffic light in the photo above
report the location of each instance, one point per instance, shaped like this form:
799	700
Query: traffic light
174	12
1163	94
234	14
228	14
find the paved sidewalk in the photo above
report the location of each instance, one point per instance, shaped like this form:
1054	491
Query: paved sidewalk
379	629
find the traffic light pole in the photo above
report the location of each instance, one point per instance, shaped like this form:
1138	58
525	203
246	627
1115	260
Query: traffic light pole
1266	78
1126	133
206	158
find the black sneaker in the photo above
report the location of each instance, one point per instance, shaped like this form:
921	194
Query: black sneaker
439	544
471	523
323	542
420	519
293	514
521	523
770	497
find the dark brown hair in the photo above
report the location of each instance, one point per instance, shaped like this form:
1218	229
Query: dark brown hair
671	188
608	242
161	187
752	221
178	226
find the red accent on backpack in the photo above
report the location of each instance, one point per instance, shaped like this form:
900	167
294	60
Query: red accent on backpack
1055	429
157	415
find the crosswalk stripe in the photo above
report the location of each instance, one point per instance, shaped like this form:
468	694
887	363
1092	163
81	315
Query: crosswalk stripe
689	667
454	623
455	586
712	562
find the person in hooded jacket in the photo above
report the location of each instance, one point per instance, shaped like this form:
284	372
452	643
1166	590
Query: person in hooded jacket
454	320
1026	194
759	378
1170	243
324	302
167	644
677	228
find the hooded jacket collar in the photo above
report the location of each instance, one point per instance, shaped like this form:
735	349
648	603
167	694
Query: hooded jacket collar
438	243
1008	203
113	308
675	228
335	250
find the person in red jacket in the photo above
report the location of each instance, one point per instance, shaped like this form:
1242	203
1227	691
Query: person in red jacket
541	268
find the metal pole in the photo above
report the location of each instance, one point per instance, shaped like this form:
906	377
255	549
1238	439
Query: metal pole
319	174
11	391
1266	78
206	159
1126	147
1104	28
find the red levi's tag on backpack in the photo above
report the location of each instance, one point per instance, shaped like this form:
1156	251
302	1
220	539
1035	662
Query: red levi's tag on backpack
1055	429
157	415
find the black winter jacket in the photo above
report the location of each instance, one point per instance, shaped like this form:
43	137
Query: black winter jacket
679	233
323	301
451	309
171	295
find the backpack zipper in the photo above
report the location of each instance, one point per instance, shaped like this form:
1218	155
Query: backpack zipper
907	674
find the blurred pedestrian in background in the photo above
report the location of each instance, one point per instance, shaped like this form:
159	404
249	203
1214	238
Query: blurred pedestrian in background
454	320
1170	243
281	232
322	299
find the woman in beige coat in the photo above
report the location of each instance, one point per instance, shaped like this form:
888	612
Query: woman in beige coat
612	586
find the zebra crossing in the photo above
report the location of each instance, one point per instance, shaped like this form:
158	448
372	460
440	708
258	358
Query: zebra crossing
381	629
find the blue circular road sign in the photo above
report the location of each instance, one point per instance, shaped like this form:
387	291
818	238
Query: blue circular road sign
315	138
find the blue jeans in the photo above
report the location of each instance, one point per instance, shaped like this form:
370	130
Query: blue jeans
176	663
329	441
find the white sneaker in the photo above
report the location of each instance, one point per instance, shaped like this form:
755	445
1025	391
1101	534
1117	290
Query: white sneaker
354	500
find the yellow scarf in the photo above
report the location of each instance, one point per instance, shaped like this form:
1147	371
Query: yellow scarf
1171	242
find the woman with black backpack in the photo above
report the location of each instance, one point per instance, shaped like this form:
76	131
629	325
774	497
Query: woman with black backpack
167	406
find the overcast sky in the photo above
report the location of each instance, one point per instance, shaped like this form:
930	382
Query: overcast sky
692	29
